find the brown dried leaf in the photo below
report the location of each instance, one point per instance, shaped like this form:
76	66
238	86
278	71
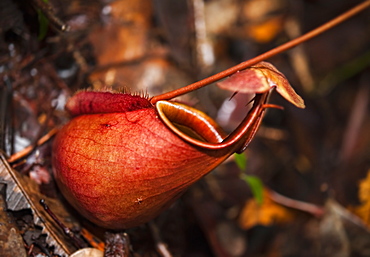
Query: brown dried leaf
265	31
261	78
259	10
87	252
268	213
124	38
341	233
363	210
23	193
263	19
10	240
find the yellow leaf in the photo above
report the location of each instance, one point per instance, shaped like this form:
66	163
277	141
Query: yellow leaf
266	31
363	211
268	213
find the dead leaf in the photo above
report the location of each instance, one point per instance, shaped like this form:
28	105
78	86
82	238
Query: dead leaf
261	78
363	210
265	31
266	214
332	234
342	233
145	76
257	10
22	193
124	37
11	241
88	252
264	19
229	10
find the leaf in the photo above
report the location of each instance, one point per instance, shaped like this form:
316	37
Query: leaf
43	23
22	193
240	160
265	31
88	252
124	38
261	78
268	213
256	187
10	240
253	182
363	210
341	231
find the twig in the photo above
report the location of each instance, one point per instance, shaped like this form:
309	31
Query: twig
6	111
299	57
313	209
67	231
358	116
199	84
160	245
204	51
21	154
49	12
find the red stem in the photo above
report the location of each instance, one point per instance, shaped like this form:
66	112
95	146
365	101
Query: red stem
313	209
199	84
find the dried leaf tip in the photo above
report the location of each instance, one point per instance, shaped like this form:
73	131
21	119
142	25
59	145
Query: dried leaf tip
261	78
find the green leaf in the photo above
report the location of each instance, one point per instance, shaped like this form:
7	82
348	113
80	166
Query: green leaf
256	186
253	182
43	23
241	161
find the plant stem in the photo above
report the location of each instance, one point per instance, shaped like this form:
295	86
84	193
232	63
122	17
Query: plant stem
290	44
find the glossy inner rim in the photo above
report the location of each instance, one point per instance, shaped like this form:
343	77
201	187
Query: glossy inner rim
176	116
190	123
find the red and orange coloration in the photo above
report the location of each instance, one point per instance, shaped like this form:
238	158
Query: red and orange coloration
123	159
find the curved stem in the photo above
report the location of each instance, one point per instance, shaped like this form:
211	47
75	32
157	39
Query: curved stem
199	84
